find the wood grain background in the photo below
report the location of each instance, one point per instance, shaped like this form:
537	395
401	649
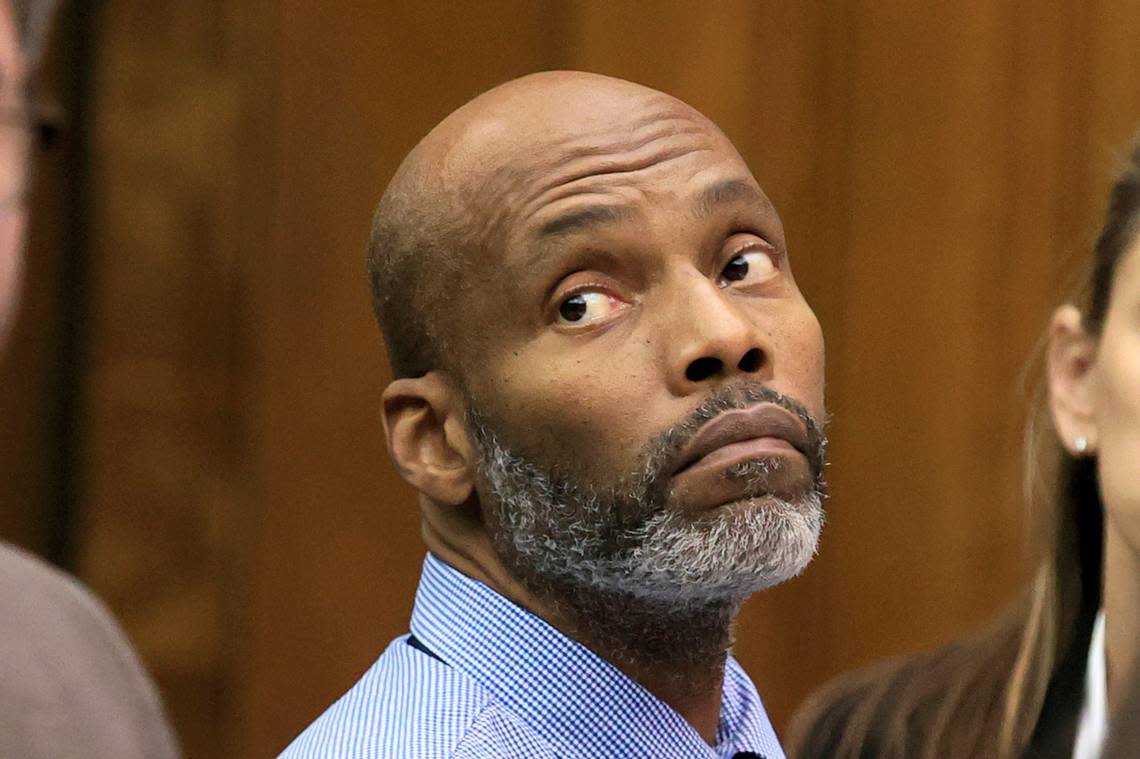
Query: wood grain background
940	171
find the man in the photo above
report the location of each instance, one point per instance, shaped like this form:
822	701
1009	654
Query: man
70	684
607	393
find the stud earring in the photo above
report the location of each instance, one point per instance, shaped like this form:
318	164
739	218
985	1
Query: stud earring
1081	443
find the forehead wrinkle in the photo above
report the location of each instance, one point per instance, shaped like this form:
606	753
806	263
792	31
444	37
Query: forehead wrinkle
620	150
604	174
617	137
610	148
671	110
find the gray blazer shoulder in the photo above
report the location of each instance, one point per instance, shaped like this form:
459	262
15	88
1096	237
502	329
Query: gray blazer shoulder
71	685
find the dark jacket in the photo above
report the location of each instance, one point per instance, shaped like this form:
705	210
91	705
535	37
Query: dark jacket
818	731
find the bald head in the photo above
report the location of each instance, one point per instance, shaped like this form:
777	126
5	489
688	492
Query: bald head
499	158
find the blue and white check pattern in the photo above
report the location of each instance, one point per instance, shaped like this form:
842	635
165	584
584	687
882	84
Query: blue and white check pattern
507	684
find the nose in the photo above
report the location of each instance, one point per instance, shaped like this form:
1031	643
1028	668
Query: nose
713	339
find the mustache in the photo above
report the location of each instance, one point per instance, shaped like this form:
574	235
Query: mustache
647	485
662	455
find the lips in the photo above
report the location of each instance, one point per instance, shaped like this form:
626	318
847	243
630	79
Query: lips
764	420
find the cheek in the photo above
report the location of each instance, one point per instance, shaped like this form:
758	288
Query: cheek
1118	430
799	358
584	410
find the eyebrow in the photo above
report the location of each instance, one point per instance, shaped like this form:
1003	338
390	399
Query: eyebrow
727	192
584	218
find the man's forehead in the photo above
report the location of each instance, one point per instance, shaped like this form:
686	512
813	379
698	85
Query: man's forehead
511	161
514	173
525	137
519	121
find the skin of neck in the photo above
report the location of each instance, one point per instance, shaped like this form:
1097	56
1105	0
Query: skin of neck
677	653
1121	610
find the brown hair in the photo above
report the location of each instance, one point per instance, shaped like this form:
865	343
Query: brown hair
982	696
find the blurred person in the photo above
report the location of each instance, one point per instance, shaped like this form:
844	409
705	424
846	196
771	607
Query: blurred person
70	684
1047	679
608	392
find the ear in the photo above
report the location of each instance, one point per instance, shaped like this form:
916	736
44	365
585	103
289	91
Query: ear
1071	355
427	439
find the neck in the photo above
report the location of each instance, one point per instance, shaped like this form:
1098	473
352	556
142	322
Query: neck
1121	610
676	652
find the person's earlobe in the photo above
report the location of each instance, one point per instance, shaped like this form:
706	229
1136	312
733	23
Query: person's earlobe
1071	355
427	440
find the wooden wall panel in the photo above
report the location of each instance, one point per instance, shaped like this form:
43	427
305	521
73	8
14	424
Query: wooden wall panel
970	138
167	472
923	424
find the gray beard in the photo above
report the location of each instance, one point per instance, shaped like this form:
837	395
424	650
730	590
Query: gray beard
564	536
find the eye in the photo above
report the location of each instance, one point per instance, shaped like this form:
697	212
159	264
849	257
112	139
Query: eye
586	307
748	267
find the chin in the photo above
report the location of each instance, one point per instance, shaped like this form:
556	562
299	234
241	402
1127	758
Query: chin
727	554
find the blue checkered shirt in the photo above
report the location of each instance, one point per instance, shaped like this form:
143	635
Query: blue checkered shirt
482	677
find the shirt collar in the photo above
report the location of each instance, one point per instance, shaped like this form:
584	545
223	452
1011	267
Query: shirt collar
567	694
1093	724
